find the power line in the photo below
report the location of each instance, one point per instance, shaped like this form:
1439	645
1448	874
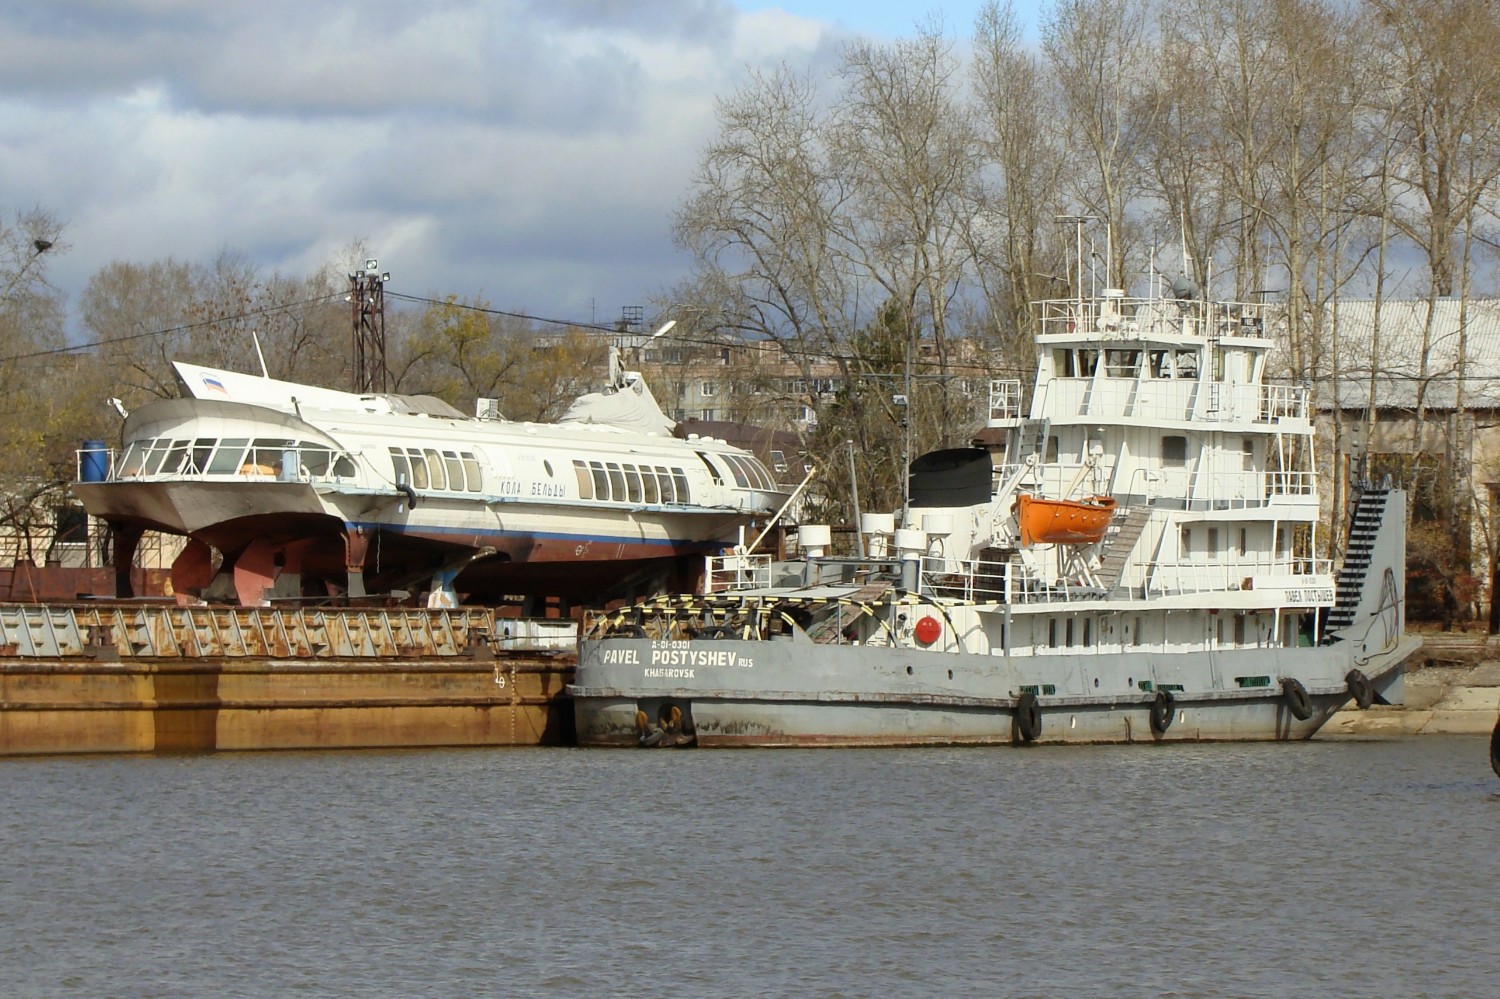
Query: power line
168	331
501	312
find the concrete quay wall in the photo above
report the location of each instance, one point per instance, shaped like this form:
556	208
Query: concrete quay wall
140	705
1449	699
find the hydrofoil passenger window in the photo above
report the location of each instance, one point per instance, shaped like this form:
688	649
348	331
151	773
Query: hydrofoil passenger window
585	480
455	470
435	469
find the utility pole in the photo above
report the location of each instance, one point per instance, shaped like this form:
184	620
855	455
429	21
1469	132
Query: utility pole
367	300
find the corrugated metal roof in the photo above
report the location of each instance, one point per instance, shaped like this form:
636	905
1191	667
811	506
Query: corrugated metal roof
1396	358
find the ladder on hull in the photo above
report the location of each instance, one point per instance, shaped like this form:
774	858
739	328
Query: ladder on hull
1369	514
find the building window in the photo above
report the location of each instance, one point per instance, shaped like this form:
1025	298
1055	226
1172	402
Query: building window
72	526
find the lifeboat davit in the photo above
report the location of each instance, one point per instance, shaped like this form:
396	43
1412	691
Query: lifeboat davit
1063	522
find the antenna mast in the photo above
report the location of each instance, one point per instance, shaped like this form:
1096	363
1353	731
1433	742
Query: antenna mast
367	300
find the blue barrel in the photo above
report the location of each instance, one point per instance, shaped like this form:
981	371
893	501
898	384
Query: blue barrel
93	462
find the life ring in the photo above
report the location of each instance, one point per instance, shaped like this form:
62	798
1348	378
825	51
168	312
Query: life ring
1495	749
1162	712
1297	701
1028	718
1360	688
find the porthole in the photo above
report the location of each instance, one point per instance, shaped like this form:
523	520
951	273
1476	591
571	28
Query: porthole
548	466
908	671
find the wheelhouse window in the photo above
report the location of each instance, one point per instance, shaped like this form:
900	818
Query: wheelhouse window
1174	450
229	456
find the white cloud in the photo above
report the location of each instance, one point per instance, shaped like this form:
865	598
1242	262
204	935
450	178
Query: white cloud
530	150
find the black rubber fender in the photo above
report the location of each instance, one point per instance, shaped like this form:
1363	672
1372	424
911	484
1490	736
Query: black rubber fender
1028	717
1360	688
1297	700
1163	710
1495	749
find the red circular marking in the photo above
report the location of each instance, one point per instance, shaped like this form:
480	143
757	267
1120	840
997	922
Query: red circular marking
928	629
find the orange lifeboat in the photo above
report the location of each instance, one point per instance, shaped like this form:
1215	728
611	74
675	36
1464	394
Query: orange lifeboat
1063	522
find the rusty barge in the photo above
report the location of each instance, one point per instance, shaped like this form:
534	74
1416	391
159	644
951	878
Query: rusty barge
133	678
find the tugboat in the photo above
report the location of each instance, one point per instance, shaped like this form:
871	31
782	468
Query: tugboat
1136	564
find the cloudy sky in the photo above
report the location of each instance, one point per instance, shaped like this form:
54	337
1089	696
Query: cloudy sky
528	151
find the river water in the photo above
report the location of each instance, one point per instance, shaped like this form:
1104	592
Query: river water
1330	868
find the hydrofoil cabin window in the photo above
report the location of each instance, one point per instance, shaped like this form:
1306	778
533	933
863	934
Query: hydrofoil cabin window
601	480
616	481
713	470
203	449
471	472
135	457
265	456
632	483
418	468
649	491
585	480
175	459
664	482
679	479
400	468
315	461
455	470
228	456
1174	451
159	449
735	468
435	469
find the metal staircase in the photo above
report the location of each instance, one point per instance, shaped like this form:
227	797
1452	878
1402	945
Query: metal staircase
1369	514
1120	545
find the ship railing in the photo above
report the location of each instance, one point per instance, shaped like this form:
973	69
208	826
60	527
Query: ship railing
1125	317
1188	577
1169	400
1005	400
270	462
995	581
727	573
1280	483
